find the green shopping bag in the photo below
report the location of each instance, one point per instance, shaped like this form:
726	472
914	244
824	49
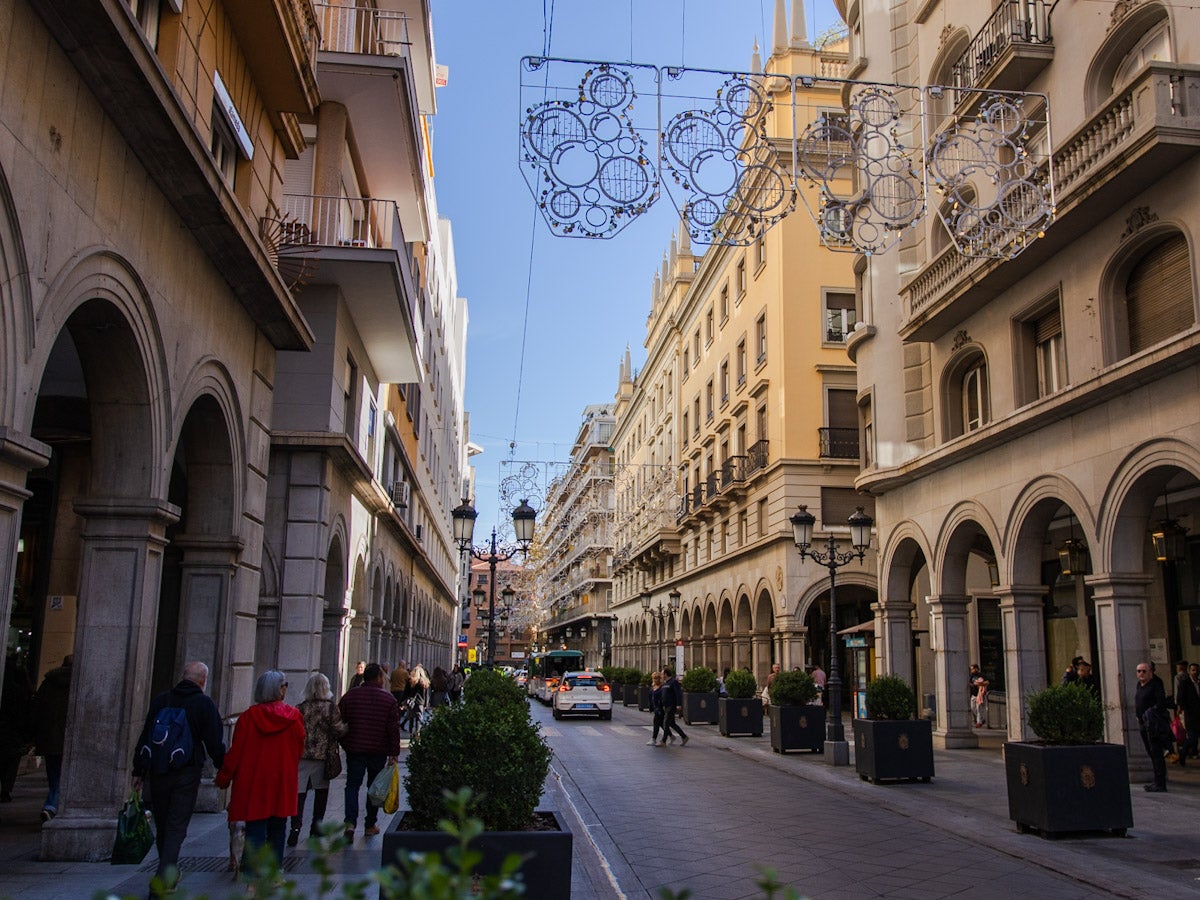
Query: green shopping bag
134	838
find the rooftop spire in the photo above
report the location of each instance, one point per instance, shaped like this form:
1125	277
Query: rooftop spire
780	35
799	25
755	59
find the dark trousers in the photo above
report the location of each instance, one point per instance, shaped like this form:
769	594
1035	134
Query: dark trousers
264	831
669	723
658	724
1156	752
320	801
53	780
172	801
359	765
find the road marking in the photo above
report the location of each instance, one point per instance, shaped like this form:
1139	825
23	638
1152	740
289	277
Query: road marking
608	872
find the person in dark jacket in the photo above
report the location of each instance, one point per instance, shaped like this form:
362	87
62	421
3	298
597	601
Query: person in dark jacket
373	741
16	708
1187	704
173	794
1150	704
50	706
656	707
672	699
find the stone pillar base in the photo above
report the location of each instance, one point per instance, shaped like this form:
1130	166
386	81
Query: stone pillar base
955	740
82	837
837	753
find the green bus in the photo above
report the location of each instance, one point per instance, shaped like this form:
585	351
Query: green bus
545	670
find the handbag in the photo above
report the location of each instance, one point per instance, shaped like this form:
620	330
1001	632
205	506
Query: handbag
134	838
1177	730
333	756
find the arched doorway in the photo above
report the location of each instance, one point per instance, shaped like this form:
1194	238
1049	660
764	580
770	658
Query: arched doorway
853	608
334	614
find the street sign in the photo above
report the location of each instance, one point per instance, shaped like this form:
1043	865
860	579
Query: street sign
472	655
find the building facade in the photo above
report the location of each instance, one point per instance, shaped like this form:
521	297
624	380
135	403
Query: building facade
744	409
1031	426
513	634
575	561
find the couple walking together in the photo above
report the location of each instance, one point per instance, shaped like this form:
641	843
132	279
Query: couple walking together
666	699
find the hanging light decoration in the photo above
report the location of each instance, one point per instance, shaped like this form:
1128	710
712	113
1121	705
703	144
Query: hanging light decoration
1170	538
1073	554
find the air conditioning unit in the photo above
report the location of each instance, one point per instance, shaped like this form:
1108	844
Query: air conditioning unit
399	492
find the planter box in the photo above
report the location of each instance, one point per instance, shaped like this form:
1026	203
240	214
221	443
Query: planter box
887	750
629	696
644	697
737	715
700	709
797	728
1068	788
546	873
617	692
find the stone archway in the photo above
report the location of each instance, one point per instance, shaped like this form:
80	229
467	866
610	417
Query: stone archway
334	614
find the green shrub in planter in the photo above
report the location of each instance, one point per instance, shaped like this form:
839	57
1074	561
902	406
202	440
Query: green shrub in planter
633	676
506	781
492	684
791	689
740	684
647	679
888	697
1066	714
607	672
699	680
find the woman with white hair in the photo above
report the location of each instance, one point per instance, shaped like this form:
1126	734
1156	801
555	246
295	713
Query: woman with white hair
321	760
262	765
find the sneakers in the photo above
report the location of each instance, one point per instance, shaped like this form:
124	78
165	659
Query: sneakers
349	834
652	743
47	815
371	831
293	836
669	739
683	741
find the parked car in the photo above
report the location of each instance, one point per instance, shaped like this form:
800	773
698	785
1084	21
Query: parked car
583	693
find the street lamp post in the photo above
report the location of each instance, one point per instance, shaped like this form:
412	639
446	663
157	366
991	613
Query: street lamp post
660	613
464	517
837	751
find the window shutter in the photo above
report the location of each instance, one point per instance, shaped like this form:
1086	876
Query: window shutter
1048	326
1158	294
843	410
838	504
836	300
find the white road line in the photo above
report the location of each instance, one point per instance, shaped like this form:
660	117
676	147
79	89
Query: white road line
608	872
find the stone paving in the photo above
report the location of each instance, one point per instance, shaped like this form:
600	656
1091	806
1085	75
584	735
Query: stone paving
707	816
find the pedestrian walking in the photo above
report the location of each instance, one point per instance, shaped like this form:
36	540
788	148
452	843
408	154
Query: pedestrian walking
672	698
50	706
439	687
357	679
1187	704
399	682
1150	703
173	771
1085	676
457	679
656	707
373	740
16	707
323	727
262	765
978	687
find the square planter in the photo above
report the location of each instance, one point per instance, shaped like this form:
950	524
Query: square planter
797	728
740	716
618	693
893	750
700	709
644	697
546	872
629	696
1058	789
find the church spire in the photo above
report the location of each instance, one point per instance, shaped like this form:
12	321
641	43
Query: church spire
799	26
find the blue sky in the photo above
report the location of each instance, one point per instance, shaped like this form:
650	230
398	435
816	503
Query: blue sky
587	299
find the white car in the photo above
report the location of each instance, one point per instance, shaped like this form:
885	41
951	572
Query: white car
582	693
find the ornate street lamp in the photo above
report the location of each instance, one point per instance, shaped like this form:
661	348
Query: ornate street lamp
660	614
836	748
464	517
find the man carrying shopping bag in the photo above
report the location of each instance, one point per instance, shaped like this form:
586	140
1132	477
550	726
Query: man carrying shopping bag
372	742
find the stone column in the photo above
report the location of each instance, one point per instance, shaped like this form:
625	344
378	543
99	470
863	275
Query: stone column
19	454
120	573
1123	640
948	626
761	664
1022	616
894	640
208	568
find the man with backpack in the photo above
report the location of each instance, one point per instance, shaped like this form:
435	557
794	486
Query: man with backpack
181	725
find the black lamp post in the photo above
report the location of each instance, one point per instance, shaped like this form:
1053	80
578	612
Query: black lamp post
660	613
464	517
860	540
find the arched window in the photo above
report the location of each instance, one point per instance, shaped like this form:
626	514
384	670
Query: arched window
1155	44
1158	293
1142	36
966	395
975	397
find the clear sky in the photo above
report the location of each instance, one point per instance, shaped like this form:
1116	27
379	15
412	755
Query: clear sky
550	316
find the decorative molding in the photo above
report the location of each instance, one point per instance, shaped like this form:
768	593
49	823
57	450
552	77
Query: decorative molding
961	339
1138	219
1121	9
947	30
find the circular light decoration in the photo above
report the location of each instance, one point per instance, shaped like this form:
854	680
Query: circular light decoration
730	183
582	158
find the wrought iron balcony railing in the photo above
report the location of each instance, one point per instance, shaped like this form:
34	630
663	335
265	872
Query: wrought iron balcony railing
1013	22
756	457
359	29
733	471
710	486
342	222
839	443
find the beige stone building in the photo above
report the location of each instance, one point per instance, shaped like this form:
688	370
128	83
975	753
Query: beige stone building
1036	416
159	291
743	410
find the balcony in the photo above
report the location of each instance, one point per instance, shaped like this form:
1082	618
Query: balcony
838	443
1009	51
756	458
1131	142
282	34
358	245
733	475
366	64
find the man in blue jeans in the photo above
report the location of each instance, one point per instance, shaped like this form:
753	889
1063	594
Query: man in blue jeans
372	741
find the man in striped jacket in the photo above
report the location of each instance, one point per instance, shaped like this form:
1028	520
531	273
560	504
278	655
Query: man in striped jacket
372	741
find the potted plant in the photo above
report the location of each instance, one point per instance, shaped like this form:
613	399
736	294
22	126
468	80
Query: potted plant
505	782
890	745
740	712
1068	779
644	691
699	696
797	722
633	681
616	681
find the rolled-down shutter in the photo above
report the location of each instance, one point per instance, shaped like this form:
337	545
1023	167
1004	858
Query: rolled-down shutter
1158	294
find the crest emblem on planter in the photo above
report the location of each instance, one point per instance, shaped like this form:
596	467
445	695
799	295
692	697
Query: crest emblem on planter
1087	777
804	721
902	742
704	704
745	711
1024	772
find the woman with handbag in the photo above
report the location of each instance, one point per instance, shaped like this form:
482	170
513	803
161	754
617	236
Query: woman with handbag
321	761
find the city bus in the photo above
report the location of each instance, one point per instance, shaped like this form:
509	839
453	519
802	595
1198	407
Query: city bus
545	670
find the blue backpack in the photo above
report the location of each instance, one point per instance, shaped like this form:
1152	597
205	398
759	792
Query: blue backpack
170	746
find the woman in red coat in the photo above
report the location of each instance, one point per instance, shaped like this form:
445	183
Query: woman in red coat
262	764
